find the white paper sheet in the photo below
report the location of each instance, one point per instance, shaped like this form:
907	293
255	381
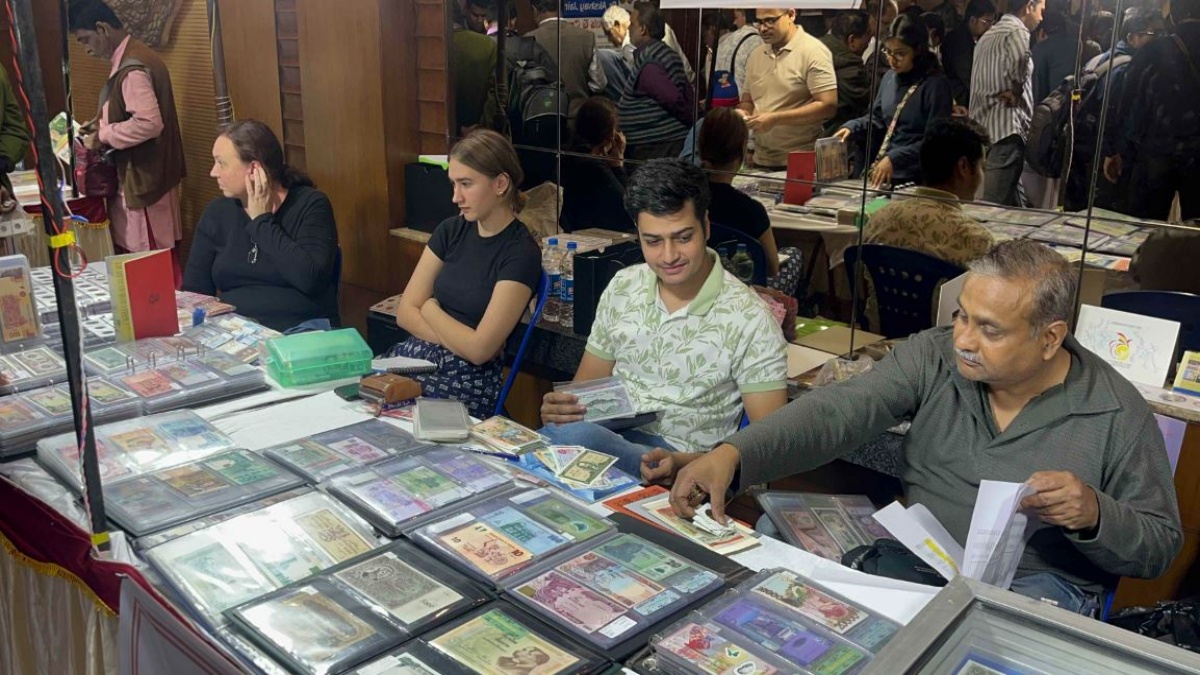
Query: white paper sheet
916	528
898	600
997	536
801	359
1141	348
401	363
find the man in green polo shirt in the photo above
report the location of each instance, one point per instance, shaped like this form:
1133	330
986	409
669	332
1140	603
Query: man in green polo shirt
683	335
1006	394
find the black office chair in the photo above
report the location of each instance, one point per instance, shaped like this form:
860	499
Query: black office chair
905	282
721	235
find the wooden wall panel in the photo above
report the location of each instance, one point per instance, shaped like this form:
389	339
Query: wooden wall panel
343	119
397	22
189	59
431	65
287	42
252	60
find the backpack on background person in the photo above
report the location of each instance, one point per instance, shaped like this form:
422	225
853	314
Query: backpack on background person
723	88
1050	133
537	103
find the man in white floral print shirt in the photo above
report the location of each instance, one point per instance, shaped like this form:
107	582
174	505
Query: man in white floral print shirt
683	335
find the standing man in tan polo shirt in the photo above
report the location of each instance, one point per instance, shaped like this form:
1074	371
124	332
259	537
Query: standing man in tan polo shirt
791	89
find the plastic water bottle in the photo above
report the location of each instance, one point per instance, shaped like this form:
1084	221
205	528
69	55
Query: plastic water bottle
743	266
552	263
723	256
566	308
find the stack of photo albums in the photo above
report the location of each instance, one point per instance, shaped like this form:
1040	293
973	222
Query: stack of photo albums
364	548
125	381
775	622
129	379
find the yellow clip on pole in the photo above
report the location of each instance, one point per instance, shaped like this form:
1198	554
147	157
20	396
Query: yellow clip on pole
62	240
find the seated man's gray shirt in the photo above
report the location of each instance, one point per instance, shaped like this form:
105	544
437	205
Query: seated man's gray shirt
1095	425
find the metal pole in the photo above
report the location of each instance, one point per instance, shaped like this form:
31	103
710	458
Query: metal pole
220	84
30	83
1097	154
502	93
64	29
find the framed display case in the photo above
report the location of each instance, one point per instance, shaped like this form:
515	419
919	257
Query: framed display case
981	630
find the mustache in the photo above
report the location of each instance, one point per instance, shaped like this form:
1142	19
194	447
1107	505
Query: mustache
970	357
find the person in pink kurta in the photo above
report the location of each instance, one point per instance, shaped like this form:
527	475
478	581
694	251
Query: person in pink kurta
138	121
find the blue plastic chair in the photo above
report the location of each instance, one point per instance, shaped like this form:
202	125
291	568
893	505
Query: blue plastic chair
1106	610
1170	305
904	281
543	292
721	235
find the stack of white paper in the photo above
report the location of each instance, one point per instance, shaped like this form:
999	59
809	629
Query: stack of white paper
998	533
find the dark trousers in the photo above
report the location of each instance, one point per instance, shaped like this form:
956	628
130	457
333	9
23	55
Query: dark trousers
1002	172
1155	180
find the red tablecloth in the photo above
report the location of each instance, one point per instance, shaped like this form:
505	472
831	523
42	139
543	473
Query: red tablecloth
44	536
94	209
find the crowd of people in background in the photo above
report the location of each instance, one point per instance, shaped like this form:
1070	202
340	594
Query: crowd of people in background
893	67
953	100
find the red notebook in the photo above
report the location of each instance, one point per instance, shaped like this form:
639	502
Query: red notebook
142	286
801	166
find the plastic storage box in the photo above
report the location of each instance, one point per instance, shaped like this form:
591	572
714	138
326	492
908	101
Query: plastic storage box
294	360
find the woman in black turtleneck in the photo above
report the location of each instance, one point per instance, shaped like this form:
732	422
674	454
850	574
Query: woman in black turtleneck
269	245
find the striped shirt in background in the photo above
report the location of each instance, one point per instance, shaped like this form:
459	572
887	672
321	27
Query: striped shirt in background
644	119
1003	62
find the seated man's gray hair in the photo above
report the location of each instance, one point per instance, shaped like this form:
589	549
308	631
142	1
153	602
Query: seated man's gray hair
613	15
1055	280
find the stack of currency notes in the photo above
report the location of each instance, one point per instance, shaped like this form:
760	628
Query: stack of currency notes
576	466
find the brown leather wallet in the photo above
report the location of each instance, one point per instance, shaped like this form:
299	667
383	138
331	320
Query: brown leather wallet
388	388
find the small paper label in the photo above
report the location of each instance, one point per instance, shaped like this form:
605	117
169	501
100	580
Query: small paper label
461	519
529	496
617	627
381	666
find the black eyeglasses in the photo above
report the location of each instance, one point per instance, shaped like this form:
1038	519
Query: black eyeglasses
896	53
770	21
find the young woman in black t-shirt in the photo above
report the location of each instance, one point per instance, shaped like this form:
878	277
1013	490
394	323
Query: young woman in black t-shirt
475	279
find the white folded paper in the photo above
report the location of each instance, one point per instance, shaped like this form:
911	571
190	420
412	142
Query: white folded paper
920	531
995	542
